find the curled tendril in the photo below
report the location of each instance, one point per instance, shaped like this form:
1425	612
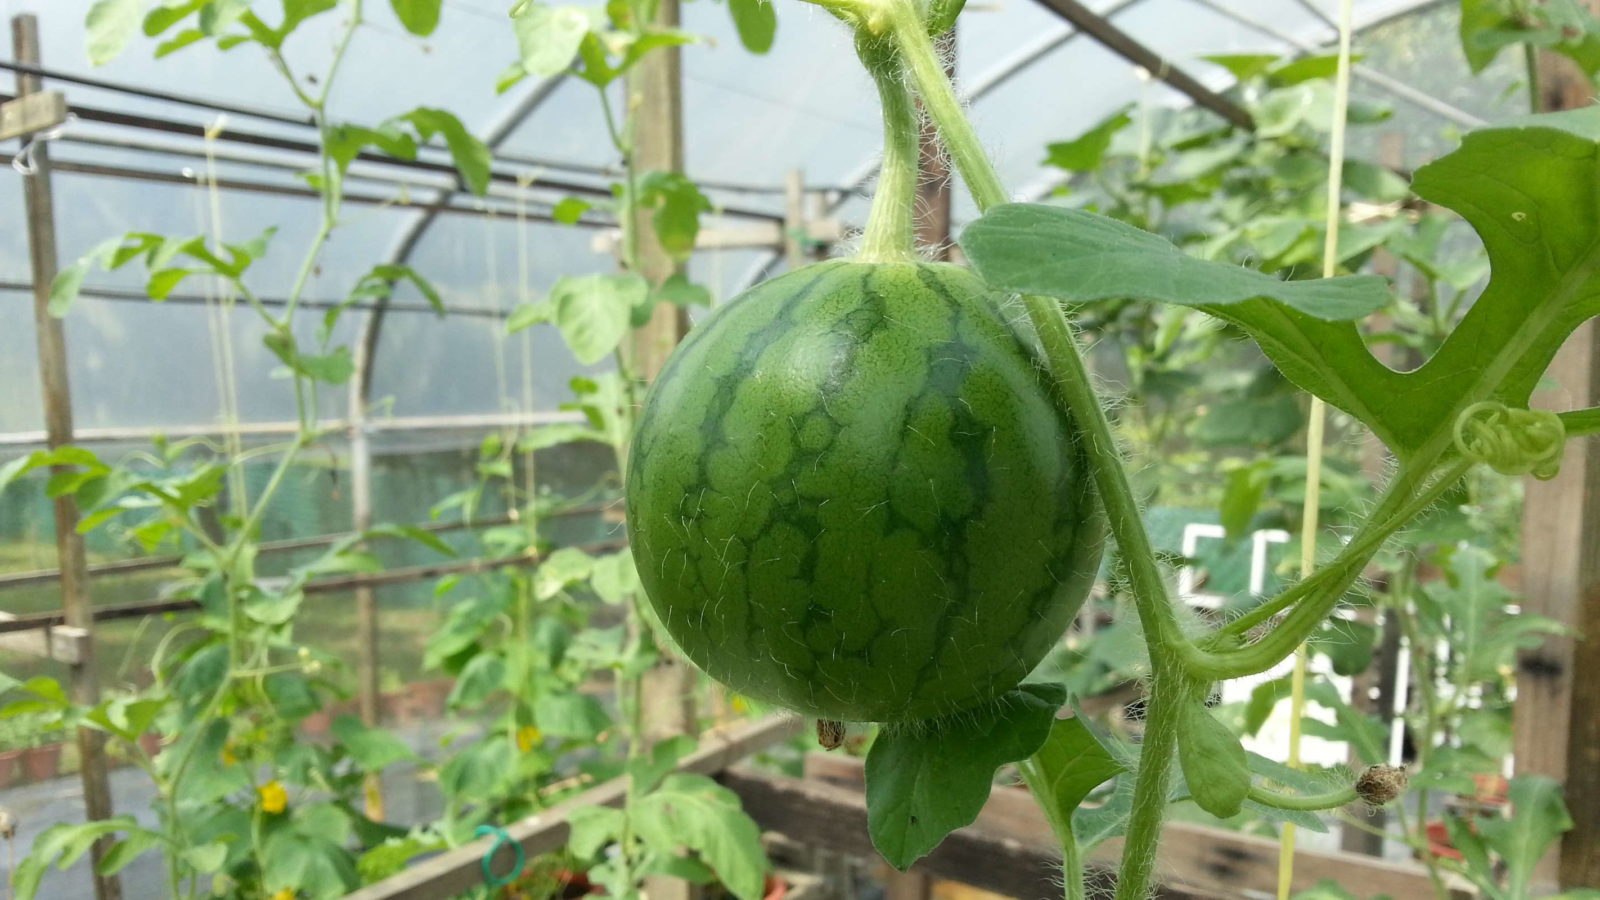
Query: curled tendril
1512	441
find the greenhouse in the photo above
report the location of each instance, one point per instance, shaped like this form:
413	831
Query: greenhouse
800	449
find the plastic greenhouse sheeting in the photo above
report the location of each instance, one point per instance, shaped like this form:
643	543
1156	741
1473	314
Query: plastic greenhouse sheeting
749	120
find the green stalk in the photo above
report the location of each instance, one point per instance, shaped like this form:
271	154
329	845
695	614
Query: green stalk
890	234
1303	803
1116	494
1061	825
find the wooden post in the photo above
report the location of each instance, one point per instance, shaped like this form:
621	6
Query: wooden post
1556	719
794	219
58	429
933	176
655	111
367	663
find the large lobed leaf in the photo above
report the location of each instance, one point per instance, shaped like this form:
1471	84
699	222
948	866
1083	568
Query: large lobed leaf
1530	188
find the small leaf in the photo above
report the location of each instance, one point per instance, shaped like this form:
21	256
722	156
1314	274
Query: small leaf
575	716
471	155
695	812
526	315
548	37
594	311
420	17
1538	818
373	749
1085	152
108	27
1078	256
592	828
569	210
756	21
924	784
1073	763
1213	761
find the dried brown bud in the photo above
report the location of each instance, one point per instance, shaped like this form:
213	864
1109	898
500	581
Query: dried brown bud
1379	785
830	734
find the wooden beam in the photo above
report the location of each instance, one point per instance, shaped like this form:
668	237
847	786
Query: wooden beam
1010	846
1124	45
76	604
35	112
933	171
62	643
458	870
1556	719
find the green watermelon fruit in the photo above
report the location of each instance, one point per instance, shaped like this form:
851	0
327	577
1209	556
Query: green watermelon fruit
851	494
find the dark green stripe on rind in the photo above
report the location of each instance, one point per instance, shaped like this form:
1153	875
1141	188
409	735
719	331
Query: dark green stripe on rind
851	494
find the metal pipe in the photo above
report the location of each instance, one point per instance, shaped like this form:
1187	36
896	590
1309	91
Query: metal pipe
200	300
46	620
14	580
268	429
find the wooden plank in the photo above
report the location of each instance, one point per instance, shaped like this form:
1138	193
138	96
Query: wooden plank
1194	860
1556	719
35	112
458	870
62	643
51	337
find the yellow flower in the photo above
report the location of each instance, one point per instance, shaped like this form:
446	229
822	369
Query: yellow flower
528	737
228	758
739	704
274	799
285	894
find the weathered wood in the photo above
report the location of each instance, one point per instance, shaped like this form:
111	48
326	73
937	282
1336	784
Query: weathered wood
75	600
1194	860
933	172
1556	719
63	643
458	870
35	112
794	218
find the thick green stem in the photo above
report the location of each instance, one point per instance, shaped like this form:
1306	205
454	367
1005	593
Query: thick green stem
890	234
1153	785
1303	803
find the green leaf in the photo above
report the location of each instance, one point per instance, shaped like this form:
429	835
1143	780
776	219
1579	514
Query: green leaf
556	435
526	315
108	27
1078	256
594	311
678	204
1085	152
1243	66
564	567
614	577
480	772
923	784
548	37
576	716
592	828
484	674
291	695
568	210
1365	733
307	864
471	155
1525	188
127	850
695	812
373	749
420	17
1072	763
206	858
647	771
166	15
1213	761
1538	819
680	291
756	21
64	289
413	533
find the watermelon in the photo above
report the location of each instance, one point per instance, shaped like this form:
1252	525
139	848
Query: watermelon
850	493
